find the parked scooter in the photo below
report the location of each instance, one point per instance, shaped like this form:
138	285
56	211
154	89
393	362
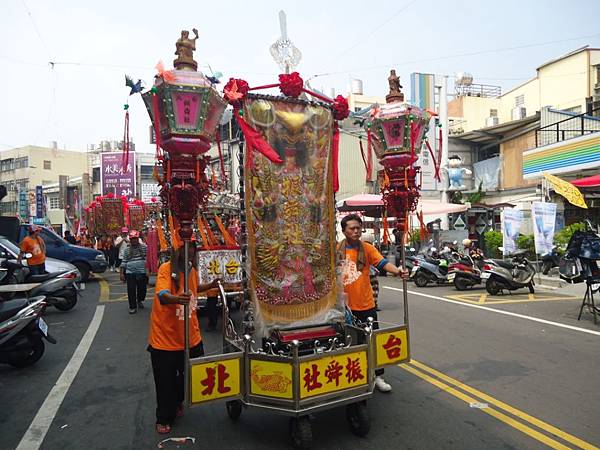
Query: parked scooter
22	331
464	273
429	269
58	288
550	260
509	275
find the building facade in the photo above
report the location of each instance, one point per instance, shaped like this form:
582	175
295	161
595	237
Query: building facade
24	168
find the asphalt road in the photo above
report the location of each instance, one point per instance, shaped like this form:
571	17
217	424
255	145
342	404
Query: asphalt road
484	374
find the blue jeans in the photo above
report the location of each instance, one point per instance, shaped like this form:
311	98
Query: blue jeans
37	269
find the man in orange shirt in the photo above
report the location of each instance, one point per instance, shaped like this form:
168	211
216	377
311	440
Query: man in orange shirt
35	245
166	339
360	294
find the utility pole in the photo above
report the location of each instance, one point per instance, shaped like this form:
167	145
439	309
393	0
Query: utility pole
442	85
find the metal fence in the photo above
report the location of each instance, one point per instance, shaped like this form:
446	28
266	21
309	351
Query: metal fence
568	128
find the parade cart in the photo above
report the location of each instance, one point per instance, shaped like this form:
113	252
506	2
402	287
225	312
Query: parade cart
296	352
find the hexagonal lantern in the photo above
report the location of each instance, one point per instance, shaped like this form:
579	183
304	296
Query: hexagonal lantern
189	111
394	124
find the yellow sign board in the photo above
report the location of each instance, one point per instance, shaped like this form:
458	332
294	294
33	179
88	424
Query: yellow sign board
216	379
271	379
333	373
391	347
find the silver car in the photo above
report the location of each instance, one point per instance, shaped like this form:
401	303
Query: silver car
8	250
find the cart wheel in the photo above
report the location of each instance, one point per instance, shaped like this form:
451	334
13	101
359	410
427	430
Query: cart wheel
301	432
234	409
358	418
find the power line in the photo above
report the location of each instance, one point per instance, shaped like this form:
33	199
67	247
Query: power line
37	31
459	55
375	30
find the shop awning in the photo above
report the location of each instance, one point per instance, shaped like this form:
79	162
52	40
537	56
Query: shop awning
592	181
370	205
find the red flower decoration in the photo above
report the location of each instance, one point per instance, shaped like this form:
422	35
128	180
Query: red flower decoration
235	90
291	84
340	108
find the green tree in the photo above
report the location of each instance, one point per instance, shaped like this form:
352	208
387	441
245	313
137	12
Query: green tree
493	240
527	242
563	236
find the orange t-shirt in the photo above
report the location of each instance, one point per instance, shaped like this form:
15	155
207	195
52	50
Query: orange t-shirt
35	246
360	293
167	321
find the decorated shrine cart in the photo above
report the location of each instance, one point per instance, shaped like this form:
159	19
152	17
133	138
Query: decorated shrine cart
295	353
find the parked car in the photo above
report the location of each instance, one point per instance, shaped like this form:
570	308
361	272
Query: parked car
9	250
87	260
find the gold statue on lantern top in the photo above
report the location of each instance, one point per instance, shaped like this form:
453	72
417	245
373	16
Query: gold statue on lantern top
184	49
395	94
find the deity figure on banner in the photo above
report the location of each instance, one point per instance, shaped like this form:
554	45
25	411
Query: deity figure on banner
290	204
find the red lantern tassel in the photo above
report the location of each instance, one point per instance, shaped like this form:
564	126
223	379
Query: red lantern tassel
440	149
436	166
197	170
335	156
254	140
222	162
369	155
412	142
362	154
126	140
156	114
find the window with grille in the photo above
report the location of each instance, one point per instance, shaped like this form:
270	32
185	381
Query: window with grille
520	100
54	203
47	165
493	113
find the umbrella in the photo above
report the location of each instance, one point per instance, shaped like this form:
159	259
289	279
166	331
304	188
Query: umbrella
592	181
371	204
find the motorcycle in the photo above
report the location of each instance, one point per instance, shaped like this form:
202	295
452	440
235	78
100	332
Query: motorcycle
22	331
550	260
58	288
509	275
429	269
464	273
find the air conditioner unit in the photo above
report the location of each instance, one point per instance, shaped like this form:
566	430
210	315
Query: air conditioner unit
491	121
520	112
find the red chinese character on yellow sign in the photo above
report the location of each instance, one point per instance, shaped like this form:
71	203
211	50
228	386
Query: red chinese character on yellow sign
334	372
393	347
311	378
353	370
217	377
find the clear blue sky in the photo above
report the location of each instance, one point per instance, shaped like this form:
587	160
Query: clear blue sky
77	104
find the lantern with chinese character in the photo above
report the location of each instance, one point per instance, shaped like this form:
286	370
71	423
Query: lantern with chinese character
186	110
396	131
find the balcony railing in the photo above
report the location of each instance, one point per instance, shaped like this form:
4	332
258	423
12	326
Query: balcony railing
568	128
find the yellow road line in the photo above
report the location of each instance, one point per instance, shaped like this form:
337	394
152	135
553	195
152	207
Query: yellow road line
493	301
104	290
492	412
514	411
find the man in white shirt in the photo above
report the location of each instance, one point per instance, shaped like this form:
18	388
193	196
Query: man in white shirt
121	243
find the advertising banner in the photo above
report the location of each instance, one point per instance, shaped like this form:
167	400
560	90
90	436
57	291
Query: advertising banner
39	202
544	220
149	191
112	176
511	227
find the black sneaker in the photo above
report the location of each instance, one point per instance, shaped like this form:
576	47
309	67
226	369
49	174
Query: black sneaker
132	310
141	305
